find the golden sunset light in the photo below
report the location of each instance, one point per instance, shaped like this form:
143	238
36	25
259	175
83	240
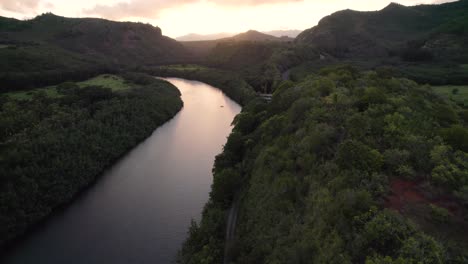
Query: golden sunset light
233	131
177	18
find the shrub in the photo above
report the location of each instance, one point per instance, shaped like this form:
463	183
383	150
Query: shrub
386	232
356	155
456	136
439	214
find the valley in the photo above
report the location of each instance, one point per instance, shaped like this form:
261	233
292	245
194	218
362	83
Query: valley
116	146
158	194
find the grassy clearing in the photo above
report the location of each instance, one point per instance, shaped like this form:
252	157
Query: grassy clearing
49	91
114	82
456	93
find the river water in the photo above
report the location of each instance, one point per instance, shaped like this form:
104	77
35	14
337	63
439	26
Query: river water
139	211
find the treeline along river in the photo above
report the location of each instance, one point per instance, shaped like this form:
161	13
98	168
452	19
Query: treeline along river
139	211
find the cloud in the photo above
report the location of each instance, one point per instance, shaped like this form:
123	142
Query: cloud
151	8
251	2
442	1
21	6
134	8
49	5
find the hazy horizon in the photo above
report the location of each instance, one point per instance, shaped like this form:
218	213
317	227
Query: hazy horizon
179	18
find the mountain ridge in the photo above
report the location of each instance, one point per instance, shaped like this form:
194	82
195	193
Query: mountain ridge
50	49
253	35
224	35
350	33
123	41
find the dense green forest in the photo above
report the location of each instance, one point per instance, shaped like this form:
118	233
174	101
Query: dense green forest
28	66
54	146
342	167
347	164
261	64
50	49
231	83
426	43
414	33
201	48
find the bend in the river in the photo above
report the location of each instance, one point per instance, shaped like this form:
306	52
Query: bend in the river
140	210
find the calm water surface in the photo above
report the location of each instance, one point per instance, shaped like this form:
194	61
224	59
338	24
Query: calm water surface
139	211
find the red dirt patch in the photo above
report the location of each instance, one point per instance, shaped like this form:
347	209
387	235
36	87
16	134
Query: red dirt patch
403	193
412	199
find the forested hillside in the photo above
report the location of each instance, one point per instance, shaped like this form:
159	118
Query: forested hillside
260	63
342	167
203	47
231	83
361	163
50	49
427	43
393	30
55	143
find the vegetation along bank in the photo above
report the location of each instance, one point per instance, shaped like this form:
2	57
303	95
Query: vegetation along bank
341	167
57	140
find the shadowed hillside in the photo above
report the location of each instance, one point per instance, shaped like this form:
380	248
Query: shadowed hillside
432	29
119	42
427	43
49	47
202	48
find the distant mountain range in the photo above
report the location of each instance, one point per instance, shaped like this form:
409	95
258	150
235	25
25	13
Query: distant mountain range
200	37
217	36
293	33
202	48
55	46
253	35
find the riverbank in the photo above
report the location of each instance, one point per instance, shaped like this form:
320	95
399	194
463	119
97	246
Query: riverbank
228	82
143	204
315	173
58	146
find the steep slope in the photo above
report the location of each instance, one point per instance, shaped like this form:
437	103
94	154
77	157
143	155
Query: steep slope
119	42
320	173
392	31
49	48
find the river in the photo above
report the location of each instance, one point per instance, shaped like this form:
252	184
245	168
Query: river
139	211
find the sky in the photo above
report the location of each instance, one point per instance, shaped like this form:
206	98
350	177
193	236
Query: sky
180	17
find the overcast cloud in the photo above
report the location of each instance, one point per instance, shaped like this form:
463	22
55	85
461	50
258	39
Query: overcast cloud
179	17
19	6
151	8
